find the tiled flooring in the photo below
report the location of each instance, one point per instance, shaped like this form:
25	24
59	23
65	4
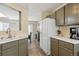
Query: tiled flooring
34	49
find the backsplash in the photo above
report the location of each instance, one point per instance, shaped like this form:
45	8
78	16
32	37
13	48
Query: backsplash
65	31
13	33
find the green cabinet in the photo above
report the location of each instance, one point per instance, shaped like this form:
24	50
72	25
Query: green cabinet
60	16
68	15
71	14
60	47
10	49
15	48
0	50
23	47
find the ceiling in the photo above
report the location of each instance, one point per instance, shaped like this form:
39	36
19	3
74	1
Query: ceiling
35	9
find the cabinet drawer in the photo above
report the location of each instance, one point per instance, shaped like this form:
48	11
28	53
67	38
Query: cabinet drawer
64	52
66	45
9	45
13	51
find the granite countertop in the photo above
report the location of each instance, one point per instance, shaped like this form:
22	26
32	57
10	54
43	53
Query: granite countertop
3	41
73	41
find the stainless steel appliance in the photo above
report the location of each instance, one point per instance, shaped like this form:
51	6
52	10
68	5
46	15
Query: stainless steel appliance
77	33
74	33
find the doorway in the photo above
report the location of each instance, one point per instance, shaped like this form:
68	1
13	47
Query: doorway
34	46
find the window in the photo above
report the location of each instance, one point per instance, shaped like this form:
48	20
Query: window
4	26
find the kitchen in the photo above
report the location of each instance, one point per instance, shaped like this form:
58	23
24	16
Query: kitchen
58	27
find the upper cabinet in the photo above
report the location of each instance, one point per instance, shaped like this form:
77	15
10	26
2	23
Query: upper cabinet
60	16
68	15
52	15
77	13
71	14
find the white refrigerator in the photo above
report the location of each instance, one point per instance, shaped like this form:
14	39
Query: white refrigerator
48	29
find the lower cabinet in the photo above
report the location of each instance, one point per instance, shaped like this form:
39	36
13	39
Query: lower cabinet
62	48
66	49
0	50
10	49
23	50
15	48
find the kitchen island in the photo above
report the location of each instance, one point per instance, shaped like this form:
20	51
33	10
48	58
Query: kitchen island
62	46
15	46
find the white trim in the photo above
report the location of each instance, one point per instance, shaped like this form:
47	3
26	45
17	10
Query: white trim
59	7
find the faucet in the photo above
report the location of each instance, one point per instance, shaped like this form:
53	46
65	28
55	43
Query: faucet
9	33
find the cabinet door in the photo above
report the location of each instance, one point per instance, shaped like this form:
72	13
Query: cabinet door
0	54
54	47
77	16
23	47
65	52
0	50
71	14
60	16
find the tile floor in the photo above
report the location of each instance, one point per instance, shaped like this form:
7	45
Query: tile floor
34	49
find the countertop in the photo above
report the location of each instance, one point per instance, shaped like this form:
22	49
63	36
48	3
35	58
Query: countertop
73	41
3	41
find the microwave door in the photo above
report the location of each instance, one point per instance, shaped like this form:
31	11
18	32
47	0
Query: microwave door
77	33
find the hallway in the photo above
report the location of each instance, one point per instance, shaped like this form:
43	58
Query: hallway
34	49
